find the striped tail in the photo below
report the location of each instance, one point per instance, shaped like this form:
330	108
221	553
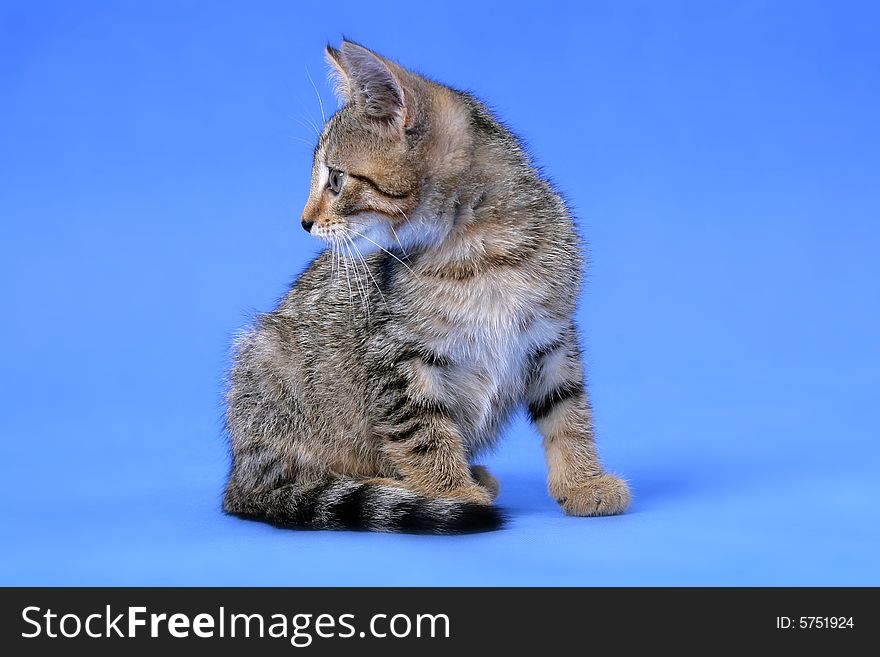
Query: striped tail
346	503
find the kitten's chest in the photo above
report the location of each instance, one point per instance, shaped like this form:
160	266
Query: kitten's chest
487	328
485	321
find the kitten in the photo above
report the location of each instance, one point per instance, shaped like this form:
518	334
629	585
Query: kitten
445	300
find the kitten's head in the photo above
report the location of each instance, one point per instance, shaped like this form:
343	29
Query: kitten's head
375	153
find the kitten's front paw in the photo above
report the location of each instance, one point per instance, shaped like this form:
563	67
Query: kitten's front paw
603	495
485	479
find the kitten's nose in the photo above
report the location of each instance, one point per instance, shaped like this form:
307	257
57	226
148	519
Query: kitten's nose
307	225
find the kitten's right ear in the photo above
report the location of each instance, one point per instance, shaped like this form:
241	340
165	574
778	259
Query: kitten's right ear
338	76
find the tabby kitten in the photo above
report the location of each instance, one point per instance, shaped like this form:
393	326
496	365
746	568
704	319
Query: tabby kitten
444	300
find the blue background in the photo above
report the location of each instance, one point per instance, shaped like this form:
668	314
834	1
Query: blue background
723	159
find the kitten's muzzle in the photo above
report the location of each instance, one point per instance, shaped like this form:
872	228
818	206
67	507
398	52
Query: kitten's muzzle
311	213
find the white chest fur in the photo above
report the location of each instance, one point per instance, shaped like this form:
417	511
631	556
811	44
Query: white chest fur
487	326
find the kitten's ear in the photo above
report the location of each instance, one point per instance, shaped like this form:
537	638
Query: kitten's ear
338	76
371	83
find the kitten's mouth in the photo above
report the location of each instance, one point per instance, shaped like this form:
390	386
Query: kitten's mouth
345	243
356	239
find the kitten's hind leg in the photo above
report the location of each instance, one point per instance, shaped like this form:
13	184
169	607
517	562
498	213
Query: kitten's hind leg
420	439
416	429
480	474
485	479
558	405
321	499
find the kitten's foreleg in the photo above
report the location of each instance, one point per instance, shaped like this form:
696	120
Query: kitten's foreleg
559	406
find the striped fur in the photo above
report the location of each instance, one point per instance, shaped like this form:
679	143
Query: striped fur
443	301
348	503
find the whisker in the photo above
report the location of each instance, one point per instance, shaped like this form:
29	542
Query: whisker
370	273
320	102
309	126
383	248
348	282
338	260
336	264
312	123
359	261
399	243
399	209
361	290
311	145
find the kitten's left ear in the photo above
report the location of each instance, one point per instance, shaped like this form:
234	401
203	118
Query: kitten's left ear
368	81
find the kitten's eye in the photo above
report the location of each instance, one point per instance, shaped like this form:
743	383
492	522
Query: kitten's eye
335	180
